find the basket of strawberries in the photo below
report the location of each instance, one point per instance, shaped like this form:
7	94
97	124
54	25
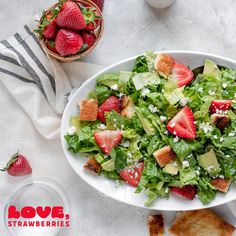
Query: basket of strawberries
69	30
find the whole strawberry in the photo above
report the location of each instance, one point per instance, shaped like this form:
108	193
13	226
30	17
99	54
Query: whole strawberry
18	166
68	42
71	17
88	38
50	30
92	17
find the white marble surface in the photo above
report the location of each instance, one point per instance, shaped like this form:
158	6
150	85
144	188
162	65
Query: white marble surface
131	27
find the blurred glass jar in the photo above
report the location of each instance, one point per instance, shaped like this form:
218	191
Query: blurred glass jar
160	3
99	3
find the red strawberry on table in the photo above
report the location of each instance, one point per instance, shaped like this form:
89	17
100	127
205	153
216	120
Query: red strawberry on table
112	103
108	139
132	174
71	17
182	74
50	30
220	105
68	42
18	166
88	38
187	191
183	124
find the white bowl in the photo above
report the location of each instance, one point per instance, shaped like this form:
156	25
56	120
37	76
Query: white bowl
125	193
160	3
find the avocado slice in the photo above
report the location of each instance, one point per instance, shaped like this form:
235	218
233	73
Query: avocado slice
208	161
109	79
108	165
147	125
211	68
171	168
75	121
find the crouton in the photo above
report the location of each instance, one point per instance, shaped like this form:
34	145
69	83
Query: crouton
221	184
155	225
221	121
200	223
92	165
128	107
164	156
88	109
163	64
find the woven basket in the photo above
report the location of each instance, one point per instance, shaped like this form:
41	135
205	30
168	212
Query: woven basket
98	33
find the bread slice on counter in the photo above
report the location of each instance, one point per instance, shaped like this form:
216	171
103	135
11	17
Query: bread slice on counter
200	223
156	225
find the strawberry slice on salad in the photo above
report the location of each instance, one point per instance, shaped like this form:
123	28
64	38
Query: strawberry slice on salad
132	174
112	103
183	124
220	105
182	74
187	191
108	139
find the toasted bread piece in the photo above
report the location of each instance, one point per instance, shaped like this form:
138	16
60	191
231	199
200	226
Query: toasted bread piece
155	225
92	165
164	156
200	223
221	184
128	107
88	109
163	64
221	121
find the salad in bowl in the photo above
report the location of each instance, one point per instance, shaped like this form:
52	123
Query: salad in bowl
161	128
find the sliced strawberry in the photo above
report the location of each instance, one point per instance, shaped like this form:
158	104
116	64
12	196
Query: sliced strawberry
187	191
183	124
182	74
108	139
112	103
220	105
132	174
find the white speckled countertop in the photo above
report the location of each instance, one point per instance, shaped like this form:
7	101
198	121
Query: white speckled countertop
131	27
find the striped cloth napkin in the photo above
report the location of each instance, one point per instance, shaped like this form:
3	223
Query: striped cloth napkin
39	83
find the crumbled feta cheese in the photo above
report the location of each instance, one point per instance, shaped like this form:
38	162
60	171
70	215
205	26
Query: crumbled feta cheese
114	87
195	122
166	132
71	130
174	133
129	154
126	144
145	92
163	118
221	176
197	172
215	137
224	85
206	127
185	164
235	96
183	101
209	168
231	134
221	139
228	156
210	92
176	139
102	127
120	95
200	90
166	190
122	126
152	108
